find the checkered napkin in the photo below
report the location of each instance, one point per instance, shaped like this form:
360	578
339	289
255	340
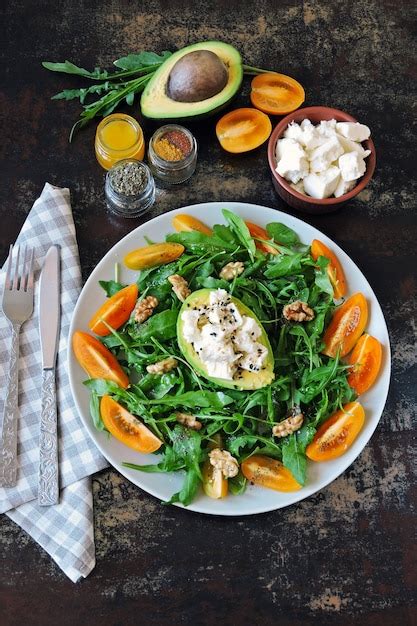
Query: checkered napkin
65	530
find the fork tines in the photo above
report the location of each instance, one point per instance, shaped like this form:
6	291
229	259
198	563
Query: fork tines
22	281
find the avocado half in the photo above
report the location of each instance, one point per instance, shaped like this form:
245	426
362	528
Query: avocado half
250	380
156	104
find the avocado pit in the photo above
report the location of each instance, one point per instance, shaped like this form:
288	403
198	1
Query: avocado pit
197	76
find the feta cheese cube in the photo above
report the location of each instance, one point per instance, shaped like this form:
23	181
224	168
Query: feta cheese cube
282	145
293	131
323	184
322	157
190	329
343	187
353	130
353	146
352	166
293	164
253	360
327	128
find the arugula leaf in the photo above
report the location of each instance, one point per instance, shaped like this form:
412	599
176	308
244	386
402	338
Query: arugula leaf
193	399
159	326
200	243
281	233
141	59
102	387
95	411
284	265
237	484
241	231
69	68
294	458
110	287
188	490
321	277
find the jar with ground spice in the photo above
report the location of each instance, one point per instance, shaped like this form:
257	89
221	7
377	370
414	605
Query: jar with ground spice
129	188
172	154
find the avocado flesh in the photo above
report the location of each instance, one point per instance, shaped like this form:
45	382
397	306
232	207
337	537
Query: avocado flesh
250	380
156	103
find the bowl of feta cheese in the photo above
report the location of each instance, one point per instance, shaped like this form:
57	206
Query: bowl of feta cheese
320	158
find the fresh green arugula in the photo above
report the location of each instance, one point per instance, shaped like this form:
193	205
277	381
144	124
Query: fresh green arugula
304	378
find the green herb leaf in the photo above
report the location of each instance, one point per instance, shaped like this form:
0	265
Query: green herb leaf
237	484
159	326
281	233
69	68
284	265
294	458
241	231
95	411
110	287
141	60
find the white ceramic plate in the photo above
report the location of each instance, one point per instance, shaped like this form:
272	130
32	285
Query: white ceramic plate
255	499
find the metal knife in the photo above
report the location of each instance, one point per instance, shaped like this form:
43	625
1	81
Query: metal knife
49	324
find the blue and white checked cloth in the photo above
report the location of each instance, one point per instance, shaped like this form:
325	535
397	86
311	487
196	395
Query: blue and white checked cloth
66	530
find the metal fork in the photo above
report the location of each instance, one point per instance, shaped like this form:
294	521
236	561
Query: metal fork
17	307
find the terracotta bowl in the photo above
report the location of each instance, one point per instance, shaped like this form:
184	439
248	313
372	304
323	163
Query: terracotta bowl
298	200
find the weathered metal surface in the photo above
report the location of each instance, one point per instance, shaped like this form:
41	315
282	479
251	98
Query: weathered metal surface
346	555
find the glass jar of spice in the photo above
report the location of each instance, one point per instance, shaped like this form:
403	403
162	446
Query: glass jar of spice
129	188
118	137
172	154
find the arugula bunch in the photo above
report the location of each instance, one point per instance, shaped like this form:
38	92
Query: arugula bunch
113	88
305	379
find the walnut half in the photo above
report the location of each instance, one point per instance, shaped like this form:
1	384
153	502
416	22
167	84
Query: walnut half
144	309
224	461
189	421
231	270
161	367
179	286
298	311
288	426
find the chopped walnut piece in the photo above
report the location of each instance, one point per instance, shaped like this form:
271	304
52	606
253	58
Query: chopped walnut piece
288	426
161	367
179	286
189	421
224	461
144	309
231	270
298	311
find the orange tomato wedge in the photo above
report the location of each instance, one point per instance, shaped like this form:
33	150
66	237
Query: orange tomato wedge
337	433
334	269
276	94
115	311
365	360
346	326
242	130
153	255
270	473
127	428
187	223
260	233
97	360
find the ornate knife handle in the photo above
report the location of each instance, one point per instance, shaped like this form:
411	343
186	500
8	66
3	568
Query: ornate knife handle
48	492
8	444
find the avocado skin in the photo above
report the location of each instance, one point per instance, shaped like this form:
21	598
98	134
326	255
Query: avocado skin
156	104
252	380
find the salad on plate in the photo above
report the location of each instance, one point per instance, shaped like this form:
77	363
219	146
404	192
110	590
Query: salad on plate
236	356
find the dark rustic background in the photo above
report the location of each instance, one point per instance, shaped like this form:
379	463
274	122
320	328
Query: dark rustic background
346	555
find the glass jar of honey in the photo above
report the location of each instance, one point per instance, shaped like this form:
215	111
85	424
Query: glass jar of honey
118	137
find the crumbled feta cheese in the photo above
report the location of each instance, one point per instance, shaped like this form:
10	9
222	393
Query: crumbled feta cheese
353	130
312	158
224	339
294	131
293	164
353	146
323	184
352	166
327	128
343	187
324	155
